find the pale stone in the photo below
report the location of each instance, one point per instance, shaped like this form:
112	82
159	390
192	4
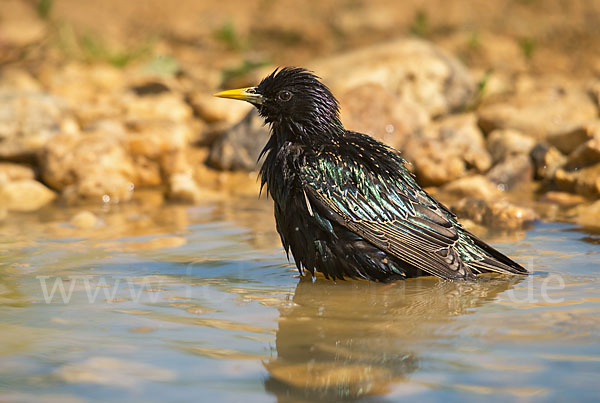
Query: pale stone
505	143
413	69
11	172
84	220
93	166
218	110
24	195
585	181
587	215
374	110
495	214
566	142
166	106
17	80
546	160
27	123
563	199
473	186
540	112
585	154
449	149
183	188
513	170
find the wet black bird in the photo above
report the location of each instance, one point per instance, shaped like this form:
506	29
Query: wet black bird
345	204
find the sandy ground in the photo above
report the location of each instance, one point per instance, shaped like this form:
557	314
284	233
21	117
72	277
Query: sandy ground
554	36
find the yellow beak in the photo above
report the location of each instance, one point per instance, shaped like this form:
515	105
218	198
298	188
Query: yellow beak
248	94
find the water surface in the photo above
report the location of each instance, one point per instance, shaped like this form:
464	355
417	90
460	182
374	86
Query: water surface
165	302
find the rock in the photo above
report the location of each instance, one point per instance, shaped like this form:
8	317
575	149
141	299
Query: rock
491	84
238	148
585	181
498	53
562	198
80	83
586	154
511	171
371	109
154	146
14	172
16	80
84	220
539	112
218	110
433	165
164	106
94	165
142	154
93	91
183	188
546	160
413	73
100	92
176	163
412	69
461	132
473	186
594	90
566	142
27	123
215	184
24	195
369	19
98	186
451	147
506	143
496	214
587	215
147	171
155	138
21	33
103	107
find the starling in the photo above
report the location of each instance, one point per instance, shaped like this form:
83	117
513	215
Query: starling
345	204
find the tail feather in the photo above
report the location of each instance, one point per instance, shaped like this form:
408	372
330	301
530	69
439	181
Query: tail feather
496	262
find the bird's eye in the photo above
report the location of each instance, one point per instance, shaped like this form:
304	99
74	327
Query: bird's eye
284	95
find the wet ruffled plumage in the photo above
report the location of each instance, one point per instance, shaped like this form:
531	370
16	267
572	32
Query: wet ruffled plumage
346	205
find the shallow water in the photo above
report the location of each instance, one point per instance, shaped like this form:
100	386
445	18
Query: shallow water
164	302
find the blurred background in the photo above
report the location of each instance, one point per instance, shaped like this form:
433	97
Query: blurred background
105	97
551	35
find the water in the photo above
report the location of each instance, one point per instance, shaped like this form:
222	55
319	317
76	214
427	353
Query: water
177	303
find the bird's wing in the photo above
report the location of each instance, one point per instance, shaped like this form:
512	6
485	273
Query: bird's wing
396	216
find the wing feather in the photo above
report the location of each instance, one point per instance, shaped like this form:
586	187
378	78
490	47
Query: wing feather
424	244
381	201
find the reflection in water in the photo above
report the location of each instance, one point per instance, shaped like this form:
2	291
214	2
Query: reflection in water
147	215
349	339
199	301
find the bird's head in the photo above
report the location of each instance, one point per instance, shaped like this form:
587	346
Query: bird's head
293	97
